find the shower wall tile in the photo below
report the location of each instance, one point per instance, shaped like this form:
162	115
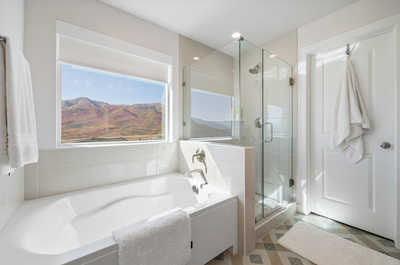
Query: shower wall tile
64	170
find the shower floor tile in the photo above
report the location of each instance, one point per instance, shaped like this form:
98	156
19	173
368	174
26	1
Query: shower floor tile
270	206
269	252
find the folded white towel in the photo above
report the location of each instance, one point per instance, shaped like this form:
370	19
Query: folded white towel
20	111
351	118
163	239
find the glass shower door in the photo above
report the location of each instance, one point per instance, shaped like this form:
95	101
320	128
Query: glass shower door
277	127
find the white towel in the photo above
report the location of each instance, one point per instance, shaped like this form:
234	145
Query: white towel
21	140
3	109
351	118
163	239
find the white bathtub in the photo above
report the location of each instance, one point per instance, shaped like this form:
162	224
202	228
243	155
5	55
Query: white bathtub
75	228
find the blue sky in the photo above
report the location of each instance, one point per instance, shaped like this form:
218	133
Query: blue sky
210	106
119	89
107	87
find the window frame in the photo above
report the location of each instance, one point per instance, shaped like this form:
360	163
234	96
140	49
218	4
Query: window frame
166	126
211	138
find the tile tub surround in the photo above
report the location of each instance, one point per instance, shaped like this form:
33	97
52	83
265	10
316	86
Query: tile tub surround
268	251
70	169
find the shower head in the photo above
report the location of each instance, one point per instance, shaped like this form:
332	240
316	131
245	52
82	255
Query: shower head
255	70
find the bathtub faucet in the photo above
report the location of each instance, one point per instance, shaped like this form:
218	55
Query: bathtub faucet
200	155
200	171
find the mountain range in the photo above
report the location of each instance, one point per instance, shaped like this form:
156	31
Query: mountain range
202	128
87	120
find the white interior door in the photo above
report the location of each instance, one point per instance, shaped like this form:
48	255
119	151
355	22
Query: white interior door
362	195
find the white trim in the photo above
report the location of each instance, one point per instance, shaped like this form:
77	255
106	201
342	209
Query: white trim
306	54
211	139
109	144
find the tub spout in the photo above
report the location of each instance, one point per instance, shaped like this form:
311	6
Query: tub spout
200	171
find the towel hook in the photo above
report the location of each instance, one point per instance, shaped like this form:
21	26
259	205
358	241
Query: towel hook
348	51
11	172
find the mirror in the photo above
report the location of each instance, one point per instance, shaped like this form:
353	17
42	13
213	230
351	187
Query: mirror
209	96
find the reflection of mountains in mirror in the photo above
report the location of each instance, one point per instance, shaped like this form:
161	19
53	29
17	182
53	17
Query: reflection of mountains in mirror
202	128
87	120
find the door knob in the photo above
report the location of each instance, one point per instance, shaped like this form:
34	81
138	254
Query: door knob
385	145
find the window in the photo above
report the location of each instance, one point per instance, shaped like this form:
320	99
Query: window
211	114
100	106
109	91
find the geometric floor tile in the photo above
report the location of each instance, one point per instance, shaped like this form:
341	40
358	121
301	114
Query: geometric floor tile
269	252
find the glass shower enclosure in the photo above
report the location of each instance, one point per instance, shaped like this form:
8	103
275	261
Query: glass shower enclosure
266	124
257	83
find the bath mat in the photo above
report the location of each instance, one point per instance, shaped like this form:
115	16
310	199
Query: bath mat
323	248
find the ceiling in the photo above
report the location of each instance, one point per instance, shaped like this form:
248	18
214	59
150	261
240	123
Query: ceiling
212	22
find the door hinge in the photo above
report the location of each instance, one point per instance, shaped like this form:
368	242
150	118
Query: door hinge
291	81
291	182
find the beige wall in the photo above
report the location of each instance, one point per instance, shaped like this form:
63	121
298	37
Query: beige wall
40	46
189	48
348	18
285	47
11	187
213	72
62	170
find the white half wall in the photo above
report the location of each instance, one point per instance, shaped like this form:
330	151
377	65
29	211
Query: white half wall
11	187
62	170
231	169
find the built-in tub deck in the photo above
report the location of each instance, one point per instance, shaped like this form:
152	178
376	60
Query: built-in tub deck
76	227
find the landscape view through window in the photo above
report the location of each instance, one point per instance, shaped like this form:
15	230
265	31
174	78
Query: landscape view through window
211	114
100	106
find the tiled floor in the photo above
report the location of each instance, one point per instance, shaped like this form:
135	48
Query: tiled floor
268	252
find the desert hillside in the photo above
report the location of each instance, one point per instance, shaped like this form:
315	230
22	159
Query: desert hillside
86	120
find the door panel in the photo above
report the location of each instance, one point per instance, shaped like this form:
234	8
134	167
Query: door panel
277	144
361	195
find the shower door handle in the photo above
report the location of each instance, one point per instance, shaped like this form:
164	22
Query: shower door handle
271	132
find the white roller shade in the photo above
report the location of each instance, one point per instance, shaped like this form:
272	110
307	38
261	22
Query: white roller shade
87	48
83	53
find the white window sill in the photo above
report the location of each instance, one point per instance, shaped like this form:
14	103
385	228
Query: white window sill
109	144
208	139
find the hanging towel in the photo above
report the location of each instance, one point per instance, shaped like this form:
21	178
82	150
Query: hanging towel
20	118
163	239
3	111
351	120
